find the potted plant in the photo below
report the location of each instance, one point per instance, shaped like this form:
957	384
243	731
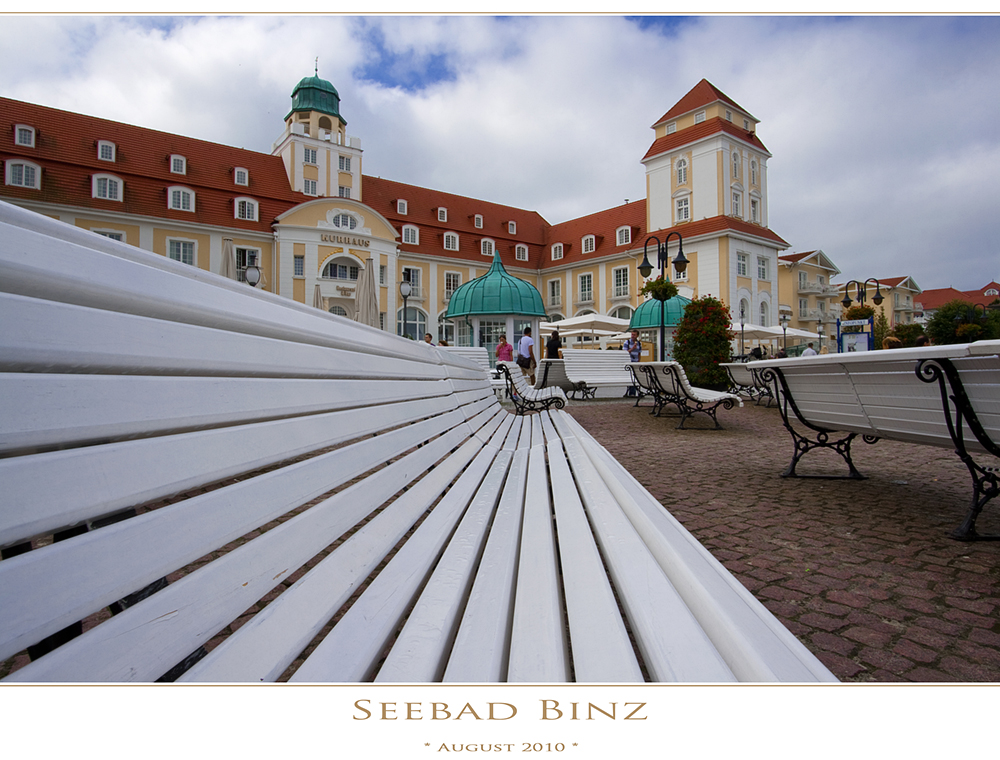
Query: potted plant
703	341
660	289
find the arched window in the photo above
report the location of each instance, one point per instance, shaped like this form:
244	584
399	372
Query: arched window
180	199
341	269
486	247
340	311
411	235
450	241
736	165
753	172
24	174
745	310
246	208
682	171
622	312
589	243
345	221
106	186
521	253
764	320
414	325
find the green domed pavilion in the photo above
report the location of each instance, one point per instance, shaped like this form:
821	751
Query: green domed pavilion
647	318
493	305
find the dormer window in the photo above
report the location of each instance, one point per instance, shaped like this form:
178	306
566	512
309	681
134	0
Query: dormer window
180	199
511	228
729	115
699	117
105	150
450	241
746	124
557	251
486	247
178	165
23	174
241	176
411	235
589	243
671	127
106	186
24	135
401	207
478	221
521	253
246	208
442	214
624	235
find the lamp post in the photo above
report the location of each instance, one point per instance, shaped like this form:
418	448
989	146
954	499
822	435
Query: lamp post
784	328
742	330
662	259
404	290
819	331
861	293
252	275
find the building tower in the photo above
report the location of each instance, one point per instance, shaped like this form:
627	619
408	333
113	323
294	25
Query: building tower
321	159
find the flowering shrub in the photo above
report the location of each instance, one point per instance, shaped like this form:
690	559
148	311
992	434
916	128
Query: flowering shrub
703	341
659	289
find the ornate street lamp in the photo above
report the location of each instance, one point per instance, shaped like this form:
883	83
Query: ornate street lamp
404	290
783	319
742	330
820	330
861	293
252	275
662	259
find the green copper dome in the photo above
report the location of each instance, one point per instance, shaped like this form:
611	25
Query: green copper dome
315	94
647	315
496	292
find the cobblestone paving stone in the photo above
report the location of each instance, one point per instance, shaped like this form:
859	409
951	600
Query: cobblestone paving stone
863	572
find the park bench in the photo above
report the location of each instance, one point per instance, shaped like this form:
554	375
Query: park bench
526	397
205	482
480	356
589	370
668	384
946	396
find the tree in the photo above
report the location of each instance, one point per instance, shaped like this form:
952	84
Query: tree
958	322
857	312
880	330
908	333
703	341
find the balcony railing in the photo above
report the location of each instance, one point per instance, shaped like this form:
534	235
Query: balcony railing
619	294
817	288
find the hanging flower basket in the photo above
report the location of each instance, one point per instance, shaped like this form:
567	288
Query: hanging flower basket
659	289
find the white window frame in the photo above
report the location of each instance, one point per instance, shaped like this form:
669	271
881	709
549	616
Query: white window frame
241	173
555	293
699	117
109	234
344	164
455	283
736	164
487	246
729	115
310	187
803	308
681	276
97	181
243	205
624	235
682	171
763	269
803	278
682	209
588	244
343	191
178	164
448	237
586	295
177	204
310	156
742	264
442	214
521	252
411	234
251	257
30	142
12	164
620	282
755	210
511	228
736	203
671	127
557	251
477	220
401	207
103	145
183	242
299	266
352	222
753	172
746	124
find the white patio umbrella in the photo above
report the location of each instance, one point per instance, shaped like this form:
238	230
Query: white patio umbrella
367	302
794	332
317	297
756	332
586	322
228	266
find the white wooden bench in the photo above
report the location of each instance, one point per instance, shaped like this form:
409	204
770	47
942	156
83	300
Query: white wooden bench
205	482
745	380
480	356
589	370
668	384
947	396
551	373
526	397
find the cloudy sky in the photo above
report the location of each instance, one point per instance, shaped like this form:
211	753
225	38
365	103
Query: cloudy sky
884	130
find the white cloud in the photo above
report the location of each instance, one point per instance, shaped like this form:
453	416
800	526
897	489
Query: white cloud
882	128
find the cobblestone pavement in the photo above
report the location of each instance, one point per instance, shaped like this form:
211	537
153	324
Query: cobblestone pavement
863	572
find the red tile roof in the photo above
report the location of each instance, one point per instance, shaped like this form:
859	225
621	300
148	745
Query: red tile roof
700	131
717	224
604	226
422	204
938	297
796	256
700	95
66	150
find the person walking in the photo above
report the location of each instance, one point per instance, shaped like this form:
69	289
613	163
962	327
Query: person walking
553	345
810	351
634	347
524	350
